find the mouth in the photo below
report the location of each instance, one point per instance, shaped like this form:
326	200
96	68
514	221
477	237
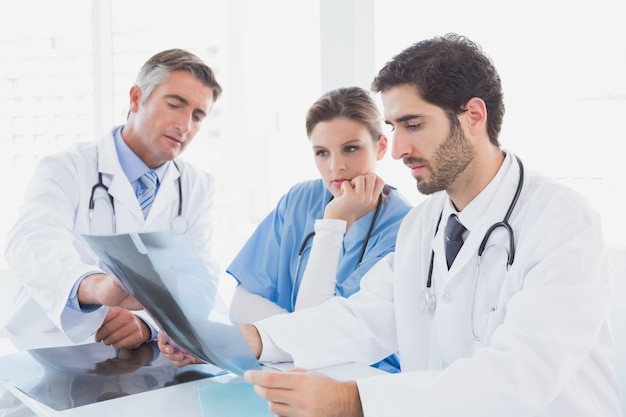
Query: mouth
416	169
416	166
338	181
175	139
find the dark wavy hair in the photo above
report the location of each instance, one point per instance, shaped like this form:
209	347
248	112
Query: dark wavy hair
447	71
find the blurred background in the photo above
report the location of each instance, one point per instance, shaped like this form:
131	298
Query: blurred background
66	68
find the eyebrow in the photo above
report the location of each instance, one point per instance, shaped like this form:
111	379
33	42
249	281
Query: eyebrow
404	118
348	142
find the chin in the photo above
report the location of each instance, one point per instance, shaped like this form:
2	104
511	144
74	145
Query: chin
335	191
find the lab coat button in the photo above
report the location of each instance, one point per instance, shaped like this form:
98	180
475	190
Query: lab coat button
447	298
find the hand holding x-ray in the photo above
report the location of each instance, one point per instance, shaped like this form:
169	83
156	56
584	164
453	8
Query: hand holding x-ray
161	271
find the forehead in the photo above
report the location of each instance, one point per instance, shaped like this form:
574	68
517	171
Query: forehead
184	85
338	131
404	100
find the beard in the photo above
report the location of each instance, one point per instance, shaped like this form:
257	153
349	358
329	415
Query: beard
448	161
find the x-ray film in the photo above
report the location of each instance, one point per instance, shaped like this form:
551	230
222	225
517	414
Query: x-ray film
162	272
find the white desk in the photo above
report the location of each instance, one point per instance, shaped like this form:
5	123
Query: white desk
176	400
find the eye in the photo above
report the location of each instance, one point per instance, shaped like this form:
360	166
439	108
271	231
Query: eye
414	126
320	153
172	105
198	117
351	148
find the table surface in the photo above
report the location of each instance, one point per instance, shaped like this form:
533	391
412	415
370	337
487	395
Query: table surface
180	399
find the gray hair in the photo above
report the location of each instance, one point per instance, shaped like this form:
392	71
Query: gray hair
159	66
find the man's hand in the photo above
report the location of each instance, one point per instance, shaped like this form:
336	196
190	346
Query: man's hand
359	196
122	329
300	393
171	352
101	289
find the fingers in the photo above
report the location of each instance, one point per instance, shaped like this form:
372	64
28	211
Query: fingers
359	196
369	186
275	379
285	391
122	329
303	393
178	357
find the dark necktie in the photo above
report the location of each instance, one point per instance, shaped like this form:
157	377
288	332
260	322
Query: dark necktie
454	238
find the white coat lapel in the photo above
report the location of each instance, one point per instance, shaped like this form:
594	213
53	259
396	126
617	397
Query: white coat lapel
411	264
119	187
491	211
167	196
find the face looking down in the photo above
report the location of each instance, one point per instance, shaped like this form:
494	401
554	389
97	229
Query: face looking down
436	150
162	125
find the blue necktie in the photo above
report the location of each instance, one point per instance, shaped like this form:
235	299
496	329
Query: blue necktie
149	180
454	238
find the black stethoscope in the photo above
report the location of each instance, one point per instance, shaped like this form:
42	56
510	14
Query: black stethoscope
179	223
305	241
429	298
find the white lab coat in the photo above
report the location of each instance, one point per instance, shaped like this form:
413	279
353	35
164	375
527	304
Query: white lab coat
546	350
42	249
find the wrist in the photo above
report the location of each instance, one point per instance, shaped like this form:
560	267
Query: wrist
87	290
252	336
354	408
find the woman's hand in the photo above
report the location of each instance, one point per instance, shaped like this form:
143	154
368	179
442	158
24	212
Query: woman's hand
179	357
359	197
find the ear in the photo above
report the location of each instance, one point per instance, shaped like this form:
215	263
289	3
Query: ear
135	98
476	111
382	147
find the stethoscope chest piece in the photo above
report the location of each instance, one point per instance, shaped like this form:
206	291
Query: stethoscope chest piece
180	224
429	300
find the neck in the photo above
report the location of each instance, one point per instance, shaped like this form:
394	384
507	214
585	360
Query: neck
476	176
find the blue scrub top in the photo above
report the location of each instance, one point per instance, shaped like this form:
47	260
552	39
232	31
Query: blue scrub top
266	264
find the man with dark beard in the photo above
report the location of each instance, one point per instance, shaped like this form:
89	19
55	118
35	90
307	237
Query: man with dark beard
515	324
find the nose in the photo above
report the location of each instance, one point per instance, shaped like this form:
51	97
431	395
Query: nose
400	146
337	162
184	122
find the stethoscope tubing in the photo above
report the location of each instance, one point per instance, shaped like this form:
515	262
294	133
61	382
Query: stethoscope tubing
100	184
430	299
310	235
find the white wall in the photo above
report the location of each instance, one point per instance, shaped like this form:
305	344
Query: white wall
561	63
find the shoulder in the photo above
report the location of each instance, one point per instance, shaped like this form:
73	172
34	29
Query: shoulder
193	175
305	193
76	157
310	187
397	201
304	198
426	214
547	197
